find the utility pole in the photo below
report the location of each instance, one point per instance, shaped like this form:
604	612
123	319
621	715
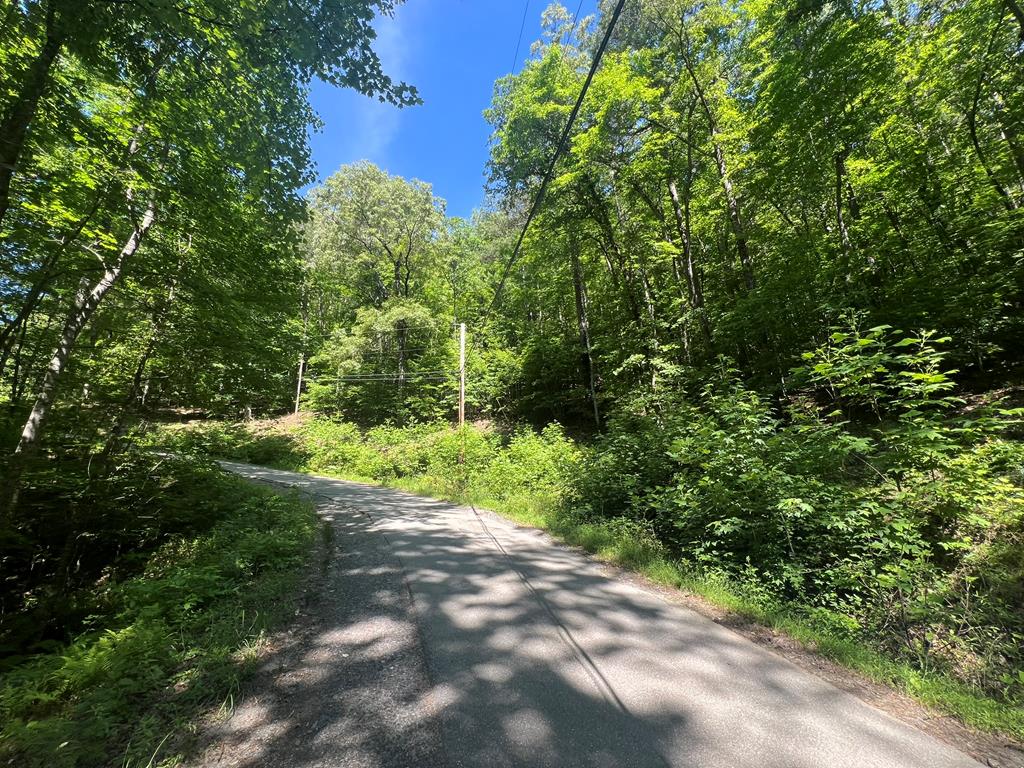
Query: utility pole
302	349
298	389
462	375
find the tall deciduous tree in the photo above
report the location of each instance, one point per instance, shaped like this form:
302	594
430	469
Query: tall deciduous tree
164	123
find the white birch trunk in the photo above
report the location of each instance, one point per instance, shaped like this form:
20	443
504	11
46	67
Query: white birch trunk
86	302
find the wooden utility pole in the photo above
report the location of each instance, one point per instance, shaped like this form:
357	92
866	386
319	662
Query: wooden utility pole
302	349
462	375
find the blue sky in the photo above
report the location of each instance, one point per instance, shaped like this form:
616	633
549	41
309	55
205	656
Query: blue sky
452	51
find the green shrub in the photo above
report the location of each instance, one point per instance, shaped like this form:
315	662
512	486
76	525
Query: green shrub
169	640
868	502
543	464
250	442
868	498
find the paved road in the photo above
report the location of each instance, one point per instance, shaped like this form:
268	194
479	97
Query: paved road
457	639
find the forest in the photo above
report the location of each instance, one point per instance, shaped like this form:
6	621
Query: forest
763	337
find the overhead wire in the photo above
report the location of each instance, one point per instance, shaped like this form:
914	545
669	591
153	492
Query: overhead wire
558	152
393	380
406	350
575	16
385	375
522	26
389	380
368	377
424	327
437	371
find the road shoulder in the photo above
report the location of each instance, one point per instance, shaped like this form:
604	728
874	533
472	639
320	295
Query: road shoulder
346	684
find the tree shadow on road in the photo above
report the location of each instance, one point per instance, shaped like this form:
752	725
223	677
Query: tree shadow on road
508	651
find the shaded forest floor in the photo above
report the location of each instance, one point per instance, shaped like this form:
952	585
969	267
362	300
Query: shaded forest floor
153	593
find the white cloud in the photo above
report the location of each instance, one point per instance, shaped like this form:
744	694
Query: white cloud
376	124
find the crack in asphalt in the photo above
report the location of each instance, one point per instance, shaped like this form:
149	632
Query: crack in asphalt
436	653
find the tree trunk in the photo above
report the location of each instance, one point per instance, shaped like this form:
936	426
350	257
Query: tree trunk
693	282
86	302
654	345
732	203
642	278
397	280
32	299
298	385
302	349
140	368
8	345
157	323
17	380
16	122
972	127
1008	133
1018	13
844	233
604	223
735	219
582	305
120	424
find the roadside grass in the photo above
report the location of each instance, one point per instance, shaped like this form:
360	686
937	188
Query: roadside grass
517	490
932	689
179	638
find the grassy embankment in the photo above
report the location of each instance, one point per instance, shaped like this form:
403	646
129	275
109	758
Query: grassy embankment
182	571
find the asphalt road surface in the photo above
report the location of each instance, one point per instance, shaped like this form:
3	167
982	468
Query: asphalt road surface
448	637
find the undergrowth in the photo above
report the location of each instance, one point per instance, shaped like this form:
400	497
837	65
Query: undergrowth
871	511
548	481
175	621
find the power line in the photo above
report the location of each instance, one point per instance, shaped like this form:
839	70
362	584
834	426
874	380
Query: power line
394	380
558	151
575	16
406	350
385	375
385	380
407	375
522	26
424	327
